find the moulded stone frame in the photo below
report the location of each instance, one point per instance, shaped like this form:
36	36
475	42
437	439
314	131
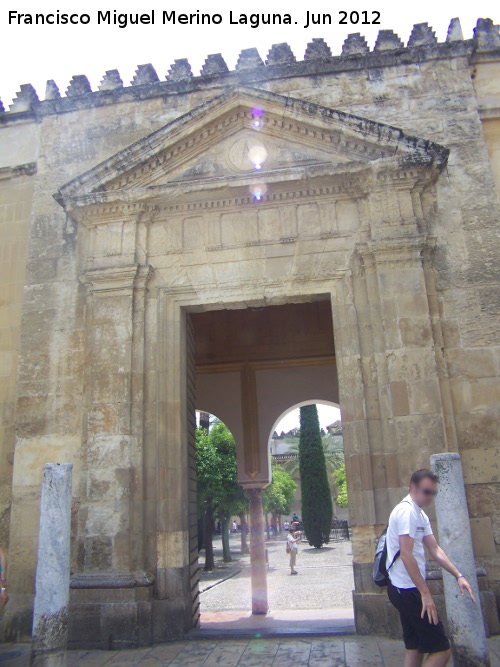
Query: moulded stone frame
174	306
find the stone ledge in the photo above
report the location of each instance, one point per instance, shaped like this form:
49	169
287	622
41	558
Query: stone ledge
28	169
110	580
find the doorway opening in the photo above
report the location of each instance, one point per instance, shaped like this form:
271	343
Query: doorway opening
252	366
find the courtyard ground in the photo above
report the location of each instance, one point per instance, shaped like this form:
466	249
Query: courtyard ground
319	597
316	601
325	578
296	652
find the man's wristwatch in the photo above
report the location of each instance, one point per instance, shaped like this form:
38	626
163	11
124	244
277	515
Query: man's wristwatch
459	576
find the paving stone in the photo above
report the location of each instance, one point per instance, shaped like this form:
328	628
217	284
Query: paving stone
258	653
292	653
225	655
98	658
363	652
327	653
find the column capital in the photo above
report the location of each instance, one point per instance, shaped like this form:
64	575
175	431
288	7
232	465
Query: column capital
255	493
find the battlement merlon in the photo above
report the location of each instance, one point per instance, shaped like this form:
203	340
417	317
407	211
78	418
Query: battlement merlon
281	62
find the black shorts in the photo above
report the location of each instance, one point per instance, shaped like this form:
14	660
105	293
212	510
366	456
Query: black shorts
418	634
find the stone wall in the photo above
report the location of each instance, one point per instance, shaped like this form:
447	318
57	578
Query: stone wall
17	172
422	376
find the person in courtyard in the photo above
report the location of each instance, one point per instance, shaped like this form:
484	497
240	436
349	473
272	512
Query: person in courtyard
409	531
293	538
4	598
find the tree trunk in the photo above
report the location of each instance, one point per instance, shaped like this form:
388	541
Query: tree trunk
226	551
267	526
274	523
205	421
209	535
244	527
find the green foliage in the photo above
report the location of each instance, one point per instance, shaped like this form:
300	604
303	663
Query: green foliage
278	496
219	493
207	469
332	448
217	476
339	477
317	509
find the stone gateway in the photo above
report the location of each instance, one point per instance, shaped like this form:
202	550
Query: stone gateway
240	242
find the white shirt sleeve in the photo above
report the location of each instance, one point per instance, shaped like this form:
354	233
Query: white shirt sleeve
427	527
405	522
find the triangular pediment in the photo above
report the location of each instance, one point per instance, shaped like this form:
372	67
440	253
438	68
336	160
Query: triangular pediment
239	136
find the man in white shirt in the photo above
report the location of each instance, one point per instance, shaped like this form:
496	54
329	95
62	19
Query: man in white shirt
408	532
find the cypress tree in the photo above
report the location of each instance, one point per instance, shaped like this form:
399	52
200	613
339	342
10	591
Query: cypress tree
317	509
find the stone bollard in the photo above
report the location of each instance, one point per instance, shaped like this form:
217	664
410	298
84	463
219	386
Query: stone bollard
50	616
465	619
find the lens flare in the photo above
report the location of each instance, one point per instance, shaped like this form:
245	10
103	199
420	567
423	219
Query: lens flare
257	115
258	191
257	155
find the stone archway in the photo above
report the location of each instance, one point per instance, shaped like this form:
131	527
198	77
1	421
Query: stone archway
300	404
172	227
251	364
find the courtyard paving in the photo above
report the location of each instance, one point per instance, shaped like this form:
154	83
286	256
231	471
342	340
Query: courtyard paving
316	601
312	652
325	578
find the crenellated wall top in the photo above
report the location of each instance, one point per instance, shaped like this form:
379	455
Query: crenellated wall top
281	62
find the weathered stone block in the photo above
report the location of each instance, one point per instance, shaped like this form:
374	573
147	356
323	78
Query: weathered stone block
249	59
24	99
482	537
455	33
422	35
214	65
144	74
52	91
111	80
370	613
180	70
355	44
387	40
399	398
79	85
318	49
486	35
280	54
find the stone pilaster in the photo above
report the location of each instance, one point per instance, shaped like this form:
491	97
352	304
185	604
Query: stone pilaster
110	532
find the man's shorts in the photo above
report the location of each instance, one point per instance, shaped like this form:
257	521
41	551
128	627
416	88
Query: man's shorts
418	634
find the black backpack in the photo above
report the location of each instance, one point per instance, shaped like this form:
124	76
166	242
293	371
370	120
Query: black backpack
380	571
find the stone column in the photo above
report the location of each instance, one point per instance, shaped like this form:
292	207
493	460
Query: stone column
258	564
50	619
465	619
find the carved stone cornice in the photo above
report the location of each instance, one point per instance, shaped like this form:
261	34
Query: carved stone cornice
28	169
351	144
116	279
404	250
312	183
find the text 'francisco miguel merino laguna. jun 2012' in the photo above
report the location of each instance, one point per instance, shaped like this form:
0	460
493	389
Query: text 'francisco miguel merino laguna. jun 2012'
174	18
